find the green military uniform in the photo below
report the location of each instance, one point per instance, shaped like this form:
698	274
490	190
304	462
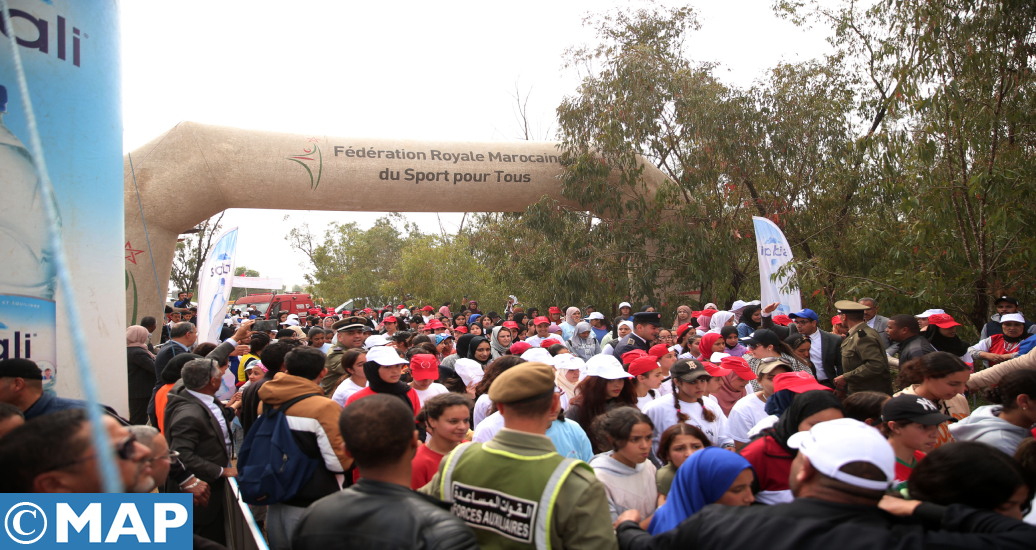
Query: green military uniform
515	491
333	364
579	517
864	361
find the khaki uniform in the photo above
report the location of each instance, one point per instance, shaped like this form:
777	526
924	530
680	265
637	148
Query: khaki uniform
864	361
333	364
580	518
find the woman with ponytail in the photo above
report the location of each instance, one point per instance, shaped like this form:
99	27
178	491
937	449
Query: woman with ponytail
939	377
689	380
1006	424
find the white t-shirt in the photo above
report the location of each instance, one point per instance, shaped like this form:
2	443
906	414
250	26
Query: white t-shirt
345	389
424	395
481	410
488	428
662	413
643	401
745	414
535	341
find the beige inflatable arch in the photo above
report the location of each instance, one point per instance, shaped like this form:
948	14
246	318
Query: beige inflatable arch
194	171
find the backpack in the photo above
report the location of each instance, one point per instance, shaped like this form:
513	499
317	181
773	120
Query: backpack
271	466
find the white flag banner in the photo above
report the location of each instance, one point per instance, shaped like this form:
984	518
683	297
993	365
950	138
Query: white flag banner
270	283
215	281
774	252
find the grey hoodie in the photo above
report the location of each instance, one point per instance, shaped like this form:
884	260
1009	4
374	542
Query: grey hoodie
985	426
627	488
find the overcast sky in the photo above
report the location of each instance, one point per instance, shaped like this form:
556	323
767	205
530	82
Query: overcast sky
419	70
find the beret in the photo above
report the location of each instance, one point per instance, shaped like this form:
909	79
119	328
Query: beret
522	382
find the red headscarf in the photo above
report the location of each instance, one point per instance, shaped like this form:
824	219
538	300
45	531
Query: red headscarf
705	345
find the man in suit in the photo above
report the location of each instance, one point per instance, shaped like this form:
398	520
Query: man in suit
184	335
197	426
877	322
825	347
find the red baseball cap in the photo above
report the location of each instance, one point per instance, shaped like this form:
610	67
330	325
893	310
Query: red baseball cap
347	312
423	366
462	330
434	324
682	329
782	320
942	320
798	382
390	319
715	371
642	365
554	310
549	342
630	356
367	309
738	366
428	308
541	321
519	348
400	307
836	320
709	312
658	351
510	324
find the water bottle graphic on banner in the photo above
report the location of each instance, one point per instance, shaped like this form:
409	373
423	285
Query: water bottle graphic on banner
27	279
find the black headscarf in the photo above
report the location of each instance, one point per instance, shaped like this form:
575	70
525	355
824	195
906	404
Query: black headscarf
519	318
473	345
462	345
805	405
746	315
727	331
377	385
171	371
954	345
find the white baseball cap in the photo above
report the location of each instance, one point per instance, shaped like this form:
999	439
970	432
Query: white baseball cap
833	444
537	354
929	312
595	315
717	357
738	304
607	367
1008	317
469	370
385	356
374	341
567	361
625	304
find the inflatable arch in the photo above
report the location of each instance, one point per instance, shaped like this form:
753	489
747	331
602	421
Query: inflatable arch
195	171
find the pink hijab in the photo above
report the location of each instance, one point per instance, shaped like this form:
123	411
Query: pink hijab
726	395
136	337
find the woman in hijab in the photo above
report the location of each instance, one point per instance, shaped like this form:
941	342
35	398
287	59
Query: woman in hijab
473	308
480	350
751	319
572	318
721	319
140	373
731	343
461	350
473	318
770	455
711	475
683	316
383	370
444	311
704	320
498	347
583	343
709	344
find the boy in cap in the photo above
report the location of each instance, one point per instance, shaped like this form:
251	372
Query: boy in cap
911	424
515	490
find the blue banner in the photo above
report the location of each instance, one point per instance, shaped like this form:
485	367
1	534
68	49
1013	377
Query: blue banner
111	520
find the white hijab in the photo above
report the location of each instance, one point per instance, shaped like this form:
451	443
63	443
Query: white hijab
719	320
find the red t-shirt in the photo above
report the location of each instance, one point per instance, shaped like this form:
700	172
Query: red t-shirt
412	395
424	466
772	464
903	471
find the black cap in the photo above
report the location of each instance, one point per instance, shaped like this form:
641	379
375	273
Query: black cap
1007	299
688	370
20	368
647	317
493	315
913	408
762	336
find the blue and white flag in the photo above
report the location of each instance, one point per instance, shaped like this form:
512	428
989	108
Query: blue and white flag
774	252
215	281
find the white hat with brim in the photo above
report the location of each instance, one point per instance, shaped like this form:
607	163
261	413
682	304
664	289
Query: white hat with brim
567	361
831	445
595	315
385	356
1012	318
375	341
607	367
928	313
537	355
625	304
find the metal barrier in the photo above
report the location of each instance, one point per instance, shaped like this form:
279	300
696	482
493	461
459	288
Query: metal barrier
242	532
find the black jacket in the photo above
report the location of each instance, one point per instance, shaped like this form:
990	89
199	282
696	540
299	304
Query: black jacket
830	346
812	524
380	516
140	373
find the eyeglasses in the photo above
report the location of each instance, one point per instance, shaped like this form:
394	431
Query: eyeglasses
666	337
125	450
169	455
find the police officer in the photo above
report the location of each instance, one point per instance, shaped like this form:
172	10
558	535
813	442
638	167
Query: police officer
350	336
515	490
864	361
646	325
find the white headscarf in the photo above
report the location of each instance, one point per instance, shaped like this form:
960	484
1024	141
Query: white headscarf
568	315
719	320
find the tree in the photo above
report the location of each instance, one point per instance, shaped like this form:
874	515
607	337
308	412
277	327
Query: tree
192	251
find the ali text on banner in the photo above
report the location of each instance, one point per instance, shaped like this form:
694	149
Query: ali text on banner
215	282
774	252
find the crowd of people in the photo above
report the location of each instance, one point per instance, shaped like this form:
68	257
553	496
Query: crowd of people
430	427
